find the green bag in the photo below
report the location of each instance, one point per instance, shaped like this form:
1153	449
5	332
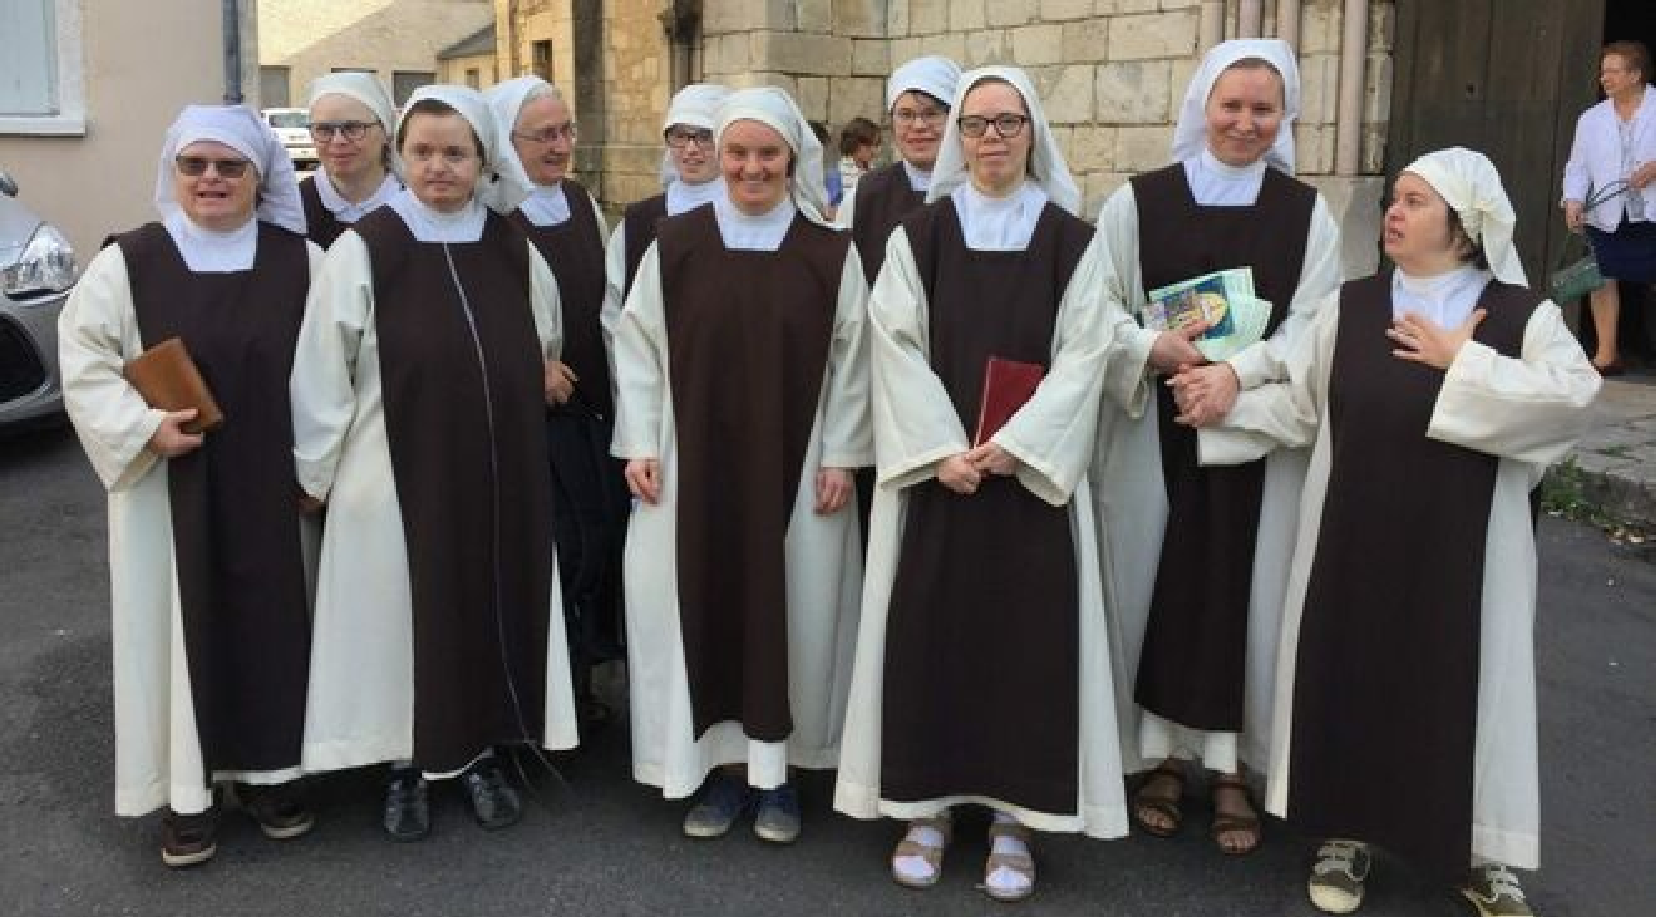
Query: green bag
1577	274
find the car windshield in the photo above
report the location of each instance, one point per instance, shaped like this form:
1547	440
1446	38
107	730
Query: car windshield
297	119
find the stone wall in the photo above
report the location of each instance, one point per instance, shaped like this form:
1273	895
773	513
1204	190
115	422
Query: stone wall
313	37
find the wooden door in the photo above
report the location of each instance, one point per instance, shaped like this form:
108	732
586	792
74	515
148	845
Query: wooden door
1507	78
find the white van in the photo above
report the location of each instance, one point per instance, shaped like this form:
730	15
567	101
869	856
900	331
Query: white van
293	126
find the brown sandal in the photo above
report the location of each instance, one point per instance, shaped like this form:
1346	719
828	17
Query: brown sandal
1166	806
933	856
1021	863
1234	823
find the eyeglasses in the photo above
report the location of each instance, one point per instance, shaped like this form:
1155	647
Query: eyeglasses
323	131
679	138
547	134
194	166
1006	126
931	117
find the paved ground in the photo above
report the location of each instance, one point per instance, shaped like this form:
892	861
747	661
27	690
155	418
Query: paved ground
1616	458
609	847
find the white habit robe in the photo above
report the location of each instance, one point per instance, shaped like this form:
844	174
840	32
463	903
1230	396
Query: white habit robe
1130	499
1527	412
823	570
916	427
158	760
361	708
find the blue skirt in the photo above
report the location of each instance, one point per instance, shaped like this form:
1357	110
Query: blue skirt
1626	254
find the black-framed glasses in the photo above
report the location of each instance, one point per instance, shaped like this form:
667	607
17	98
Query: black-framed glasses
547	134
931	117
194	166
1007	126
323	131
681	137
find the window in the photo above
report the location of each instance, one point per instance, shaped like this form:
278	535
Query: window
473	77
41	80
404	82
273	87
541	60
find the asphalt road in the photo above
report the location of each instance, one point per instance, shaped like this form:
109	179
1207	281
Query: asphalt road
607	846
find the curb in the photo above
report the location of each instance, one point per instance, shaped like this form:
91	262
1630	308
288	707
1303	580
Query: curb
1602	495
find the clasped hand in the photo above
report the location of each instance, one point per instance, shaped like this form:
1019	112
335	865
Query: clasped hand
964	471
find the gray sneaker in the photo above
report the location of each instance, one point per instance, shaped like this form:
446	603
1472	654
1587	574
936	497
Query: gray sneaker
718	805
1337	882
1495	892
778	817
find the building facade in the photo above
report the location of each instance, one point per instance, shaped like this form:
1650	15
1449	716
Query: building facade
398	40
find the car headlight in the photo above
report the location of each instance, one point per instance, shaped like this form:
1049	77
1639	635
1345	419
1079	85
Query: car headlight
46	265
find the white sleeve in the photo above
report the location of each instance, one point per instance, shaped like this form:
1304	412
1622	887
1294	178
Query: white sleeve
322	389
1127	381
1320	274
547	304
641	365
848	437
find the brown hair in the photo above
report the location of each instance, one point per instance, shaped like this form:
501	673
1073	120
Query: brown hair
435	107
1468	251
1633	55
858	132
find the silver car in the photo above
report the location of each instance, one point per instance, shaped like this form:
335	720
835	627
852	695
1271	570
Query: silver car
37	268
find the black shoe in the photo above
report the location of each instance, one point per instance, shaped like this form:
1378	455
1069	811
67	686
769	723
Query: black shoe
494	802
407	814
189	839
279	810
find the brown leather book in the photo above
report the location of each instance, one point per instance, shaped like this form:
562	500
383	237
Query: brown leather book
168	379
1008	384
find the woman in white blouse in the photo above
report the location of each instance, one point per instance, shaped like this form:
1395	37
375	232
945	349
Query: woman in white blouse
1614	145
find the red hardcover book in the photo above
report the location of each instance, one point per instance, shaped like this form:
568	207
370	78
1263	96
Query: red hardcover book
1008	384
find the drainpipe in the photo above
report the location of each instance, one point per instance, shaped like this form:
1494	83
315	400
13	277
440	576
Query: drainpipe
1349	113
1288	22
1210	24
1249	14
232	14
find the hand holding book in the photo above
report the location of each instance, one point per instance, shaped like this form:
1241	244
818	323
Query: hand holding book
1224	299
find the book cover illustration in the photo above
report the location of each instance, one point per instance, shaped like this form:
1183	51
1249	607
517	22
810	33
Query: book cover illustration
1225	299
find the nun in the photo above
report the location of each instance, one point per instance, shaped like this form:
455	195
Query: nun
351	119
743	408
211	630
918	96
419	387
1434	396
690	176
1194	558
983	673
537	143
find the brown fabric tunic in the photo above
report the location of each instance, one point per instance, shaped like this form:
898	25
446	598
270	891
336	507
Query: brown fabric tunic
590	491
1387	665
234	501
463	417
321	226
1191	667
981	665
884	199
641	219
746	361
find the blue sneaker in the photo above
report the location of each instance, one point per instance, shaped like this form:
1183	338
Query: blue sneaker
778	818
718	805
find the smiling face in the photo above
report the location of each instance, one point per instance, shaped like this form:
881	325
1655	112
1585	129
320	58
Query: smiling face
212	200
996	163
918	122
442	159
346	160
1416	232
1244	113
544	138
692	151
755	161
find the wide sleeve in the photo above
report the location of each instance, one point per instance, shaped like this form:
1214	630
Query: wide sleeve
1052	434
1320	273
544	300
322	389
94	330
615	282
846	215
1127	380
848	436
1577	175
641	365
1283	413
1530	409
915	423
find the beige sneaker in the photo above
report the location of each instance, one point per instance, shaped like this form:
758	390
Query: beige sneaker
1495	892
1337	882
